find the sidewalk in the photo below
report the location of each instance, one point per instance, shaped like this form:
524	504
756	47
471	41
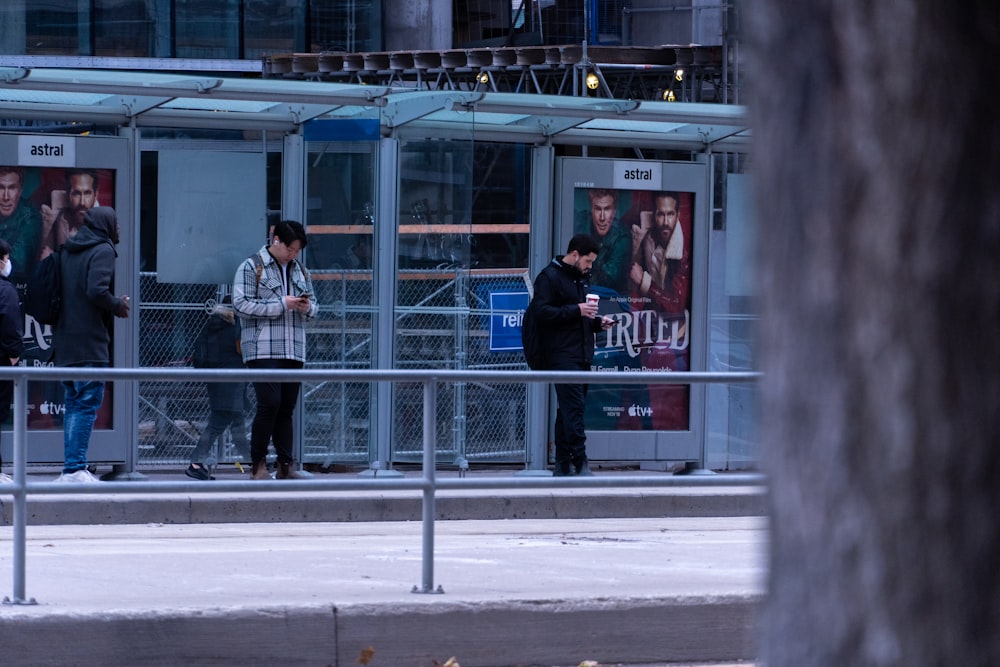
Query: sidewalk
551	590
290	505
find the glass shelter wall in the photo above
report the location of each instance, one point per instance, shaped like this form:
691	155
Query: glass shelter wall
340	223
463	238
215	207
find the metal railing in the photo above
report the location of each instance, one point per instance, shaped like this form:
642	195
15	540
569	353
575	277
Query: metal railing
427	484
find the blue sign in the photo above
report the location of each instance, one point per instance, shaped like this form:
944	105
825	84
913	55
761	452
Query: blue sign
506	314
342	129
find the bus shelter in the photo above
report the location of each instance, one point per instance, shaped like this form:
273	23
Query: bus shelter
428	215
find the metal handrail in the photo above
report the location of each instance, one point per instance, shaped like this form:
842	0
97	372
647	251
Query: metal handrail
427	484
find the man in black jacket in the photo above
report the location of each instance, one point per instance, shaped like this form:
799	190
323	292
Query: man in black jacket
82	336
566	324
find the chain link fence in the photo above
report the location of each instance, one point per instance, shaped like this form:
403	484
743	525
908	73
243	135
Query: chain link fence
172	415
442	321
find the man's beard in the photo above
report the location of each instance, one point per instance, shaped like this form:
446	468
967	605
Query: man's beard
77	218
662	236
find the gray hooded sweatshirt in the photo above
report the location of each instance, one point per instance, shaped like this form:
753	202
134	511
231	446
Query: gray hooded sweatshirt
82	336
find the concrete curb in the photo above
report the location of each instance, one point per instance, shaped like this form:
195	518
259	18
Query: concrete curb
183	508
527	632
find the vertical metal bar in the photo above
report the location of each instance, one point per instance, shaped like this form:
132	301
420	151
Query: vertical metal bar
20	489
384	291
430	451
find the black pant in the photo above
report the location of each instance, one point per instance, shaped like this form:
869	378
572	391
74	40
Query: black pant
570	436
275	405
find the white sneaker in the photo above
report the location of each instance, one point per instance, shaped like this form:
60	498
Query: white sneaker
6	479
77	477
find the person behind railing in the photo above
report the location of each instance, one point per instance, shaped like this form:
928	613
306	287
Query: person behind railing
82	335
218	346
567	323
273	297
11	335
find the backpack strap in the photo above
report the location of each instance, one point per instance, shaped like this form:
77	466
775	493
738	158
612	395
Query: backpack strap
259	263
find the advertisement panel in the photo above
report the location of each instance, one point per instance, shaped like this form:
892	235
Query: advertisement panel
643	274
40	208
650	219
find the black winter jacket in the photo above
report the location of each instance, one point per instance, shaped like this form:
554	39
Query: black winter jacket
567	336
11	323
216	347
82	336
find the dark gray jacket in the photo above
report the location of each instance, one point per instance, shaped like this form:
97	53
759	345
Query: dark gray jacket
82	336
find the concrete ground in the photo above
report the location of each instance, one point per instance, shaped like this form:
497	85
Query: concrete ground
557	588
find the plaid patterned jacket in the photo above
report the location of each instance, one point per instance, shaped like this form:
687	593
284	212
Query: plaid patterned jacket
270	331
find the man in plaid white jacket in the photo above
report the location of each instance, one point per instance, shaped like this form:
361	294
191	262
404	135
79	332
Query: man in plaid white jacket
273	297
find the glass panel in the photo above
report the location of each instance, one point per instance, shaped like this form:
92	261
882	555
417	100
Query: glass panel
44	27
462	256
125	28
171	315
207	28
345	25
732	440
272	26
340	224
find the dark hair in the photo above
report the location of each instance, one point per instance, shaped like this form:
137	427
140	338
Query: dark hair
70	173
290	231
5	248
671	195
583	244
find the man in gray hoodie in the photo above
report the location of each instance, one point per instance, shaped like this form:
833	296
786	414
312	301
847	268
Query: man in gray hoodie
82	336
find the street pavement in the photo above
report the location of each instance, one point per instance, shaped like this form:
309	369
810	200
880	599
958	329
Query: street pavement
555	589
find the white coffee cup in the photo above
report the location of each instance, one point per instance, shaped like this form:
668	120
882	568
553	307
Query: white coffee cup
593	299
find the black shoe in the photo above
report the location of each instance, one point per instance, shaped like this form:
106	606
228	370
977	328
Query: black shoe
563	469
583	468
198	473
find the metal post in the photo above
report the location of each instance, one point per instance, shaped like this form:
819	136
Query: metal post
20	489
430	463
384	292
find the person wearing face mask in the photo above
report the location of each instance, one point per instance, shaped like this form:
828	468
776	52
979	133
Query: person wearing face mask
273	297
566	325
11	335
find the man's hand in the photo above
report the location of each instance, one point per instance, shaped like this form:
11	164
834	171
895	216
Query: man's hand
588	309
49	216
638	236
606	322
297	303
123	306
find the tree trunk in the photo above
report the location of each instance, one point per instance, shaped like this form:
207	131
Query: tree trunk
877	165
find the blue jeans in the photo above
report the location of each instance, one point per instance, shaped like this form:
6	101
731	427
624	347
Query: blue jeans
82	402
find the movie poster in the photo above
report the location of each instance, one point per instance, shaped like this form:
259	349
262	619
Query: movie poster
40	208
643	276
